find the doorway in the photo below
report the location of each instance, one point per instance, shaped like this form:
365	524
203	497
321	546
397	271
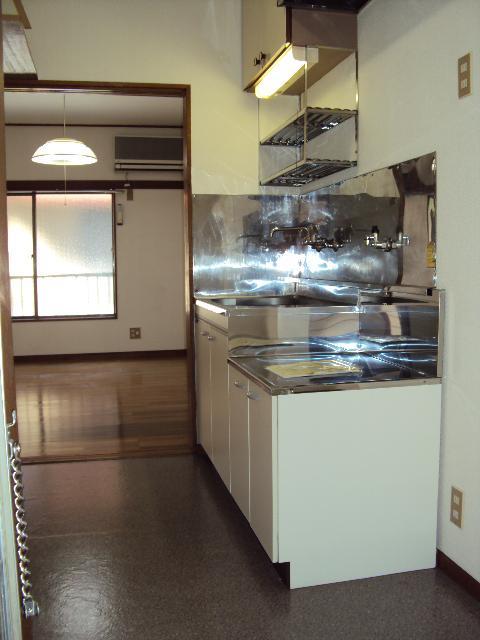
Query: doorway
83	391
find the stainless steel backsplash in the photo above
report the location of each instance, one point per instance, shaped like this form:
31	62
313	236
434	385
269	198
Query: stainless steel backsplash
235	253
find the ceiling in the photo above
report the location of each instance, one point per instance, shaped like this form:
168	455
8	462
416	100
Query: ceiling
93	109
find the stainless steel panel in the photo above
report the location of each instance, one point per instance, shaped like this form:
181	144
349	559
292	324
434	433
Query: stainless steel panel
373	325
398	198
292	330
234	252
231	250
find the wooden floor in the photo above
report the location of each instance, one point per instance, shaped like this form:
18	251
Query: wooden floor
103	408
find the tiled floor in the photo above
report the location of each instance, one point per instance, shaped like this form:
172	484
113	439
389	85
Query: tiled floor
155	548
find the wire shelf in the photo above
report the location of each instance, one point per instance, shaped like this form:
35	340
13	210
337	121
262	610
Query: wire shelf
319	120
305	171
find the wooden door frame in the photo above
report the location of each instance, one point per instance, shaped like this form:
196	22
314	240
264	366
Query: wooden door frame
19	627
28	85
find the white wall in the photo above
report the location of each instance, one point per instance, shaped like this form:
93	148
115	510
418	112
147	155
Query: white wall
150	258
195	42
408	55
21	142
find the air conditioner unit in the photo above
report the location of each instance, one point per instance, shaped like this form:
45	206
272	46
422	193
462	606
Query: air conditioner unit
134	153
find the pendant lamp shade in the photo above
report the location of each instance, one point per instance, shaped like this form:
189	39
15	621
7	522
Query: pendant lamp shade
64	152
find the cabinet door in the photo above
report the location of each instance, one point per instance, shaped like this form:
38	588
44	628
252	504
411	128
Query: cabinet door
219	400
204	414
239	441
263	456
264	29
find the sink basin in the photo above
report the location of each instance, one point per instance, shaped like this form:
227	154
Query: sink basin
273	301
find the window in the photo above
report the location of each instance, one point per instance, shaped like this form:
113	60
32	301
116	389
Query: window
61	255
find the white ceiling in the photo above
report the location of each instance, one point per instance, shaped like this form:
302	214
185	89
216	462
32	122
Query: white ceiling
89	108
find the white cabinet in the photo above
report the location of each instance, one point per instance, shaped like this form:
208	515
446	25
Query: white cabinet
358	482
219	403
268	29
239	441
204	409
265	31
253	457
328	488
262	422
212	396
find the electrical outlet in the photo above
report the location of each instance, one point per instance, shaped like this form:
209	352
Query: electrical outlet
135	333
464	76
456	507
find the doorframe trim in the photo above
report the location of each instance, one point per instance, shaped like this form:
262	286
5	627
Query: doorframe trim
29	85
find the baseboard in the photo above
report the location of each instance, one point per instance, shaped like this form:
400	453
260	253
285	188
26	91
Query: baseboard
161	452
458	574
113	355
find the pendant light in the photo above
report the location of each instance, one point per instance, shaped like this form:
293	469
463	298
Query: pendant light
65	152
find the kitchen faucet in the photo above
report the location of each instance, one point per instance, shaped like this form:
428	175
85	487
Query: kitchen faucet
300	230
312	237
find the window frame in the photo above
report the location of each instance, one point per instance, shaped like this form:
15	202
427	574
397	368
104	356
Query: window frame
38	318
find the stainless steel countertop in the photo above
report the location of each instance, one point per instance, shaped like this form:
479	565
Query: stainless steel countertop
376	370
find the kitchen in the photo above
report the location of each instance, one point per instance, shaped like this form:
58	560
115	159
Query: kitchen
404	103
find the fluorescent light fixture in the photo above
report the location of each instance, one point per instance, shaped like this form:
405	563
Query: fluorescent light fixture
280	72
65	152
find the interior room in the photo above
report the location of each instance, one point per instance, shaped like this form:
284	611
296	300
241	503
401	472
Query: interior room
239	394
105	274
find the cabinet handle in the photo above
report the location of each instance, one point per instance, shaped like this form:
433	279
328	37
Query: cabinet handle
238	384
260	59
211	338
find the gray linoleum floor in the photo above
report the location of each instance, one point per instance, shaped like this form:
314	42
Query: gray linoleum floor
156	548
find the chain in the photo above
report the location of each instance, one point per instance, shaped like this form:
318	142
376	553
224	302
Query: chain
29	605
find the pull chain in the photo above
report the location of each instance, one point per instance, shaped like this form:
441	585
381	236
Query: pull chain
29	605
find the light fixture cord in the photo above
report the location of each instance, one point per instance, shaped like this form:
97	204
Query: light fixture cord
64	165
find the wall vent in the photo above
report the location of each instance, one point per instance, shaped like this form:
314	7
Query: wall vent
134	153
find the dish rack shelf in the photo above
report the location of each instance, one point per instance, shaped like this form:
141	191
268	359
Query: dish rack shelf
319	120
305	171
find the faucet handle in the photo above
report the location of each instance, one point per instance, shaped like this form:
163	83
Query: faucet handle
387	244
372	239
402	239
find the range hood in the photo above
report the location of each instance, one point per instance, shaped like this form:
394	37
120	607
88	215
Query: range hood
352	6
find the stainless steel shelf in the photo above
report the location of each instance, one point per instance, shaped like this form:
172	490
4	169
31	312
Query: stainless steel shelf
305	171
319	120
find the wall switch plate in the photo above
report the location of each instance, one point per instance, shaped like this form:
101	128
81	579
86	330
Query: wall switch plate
119	210
135	333
464	76
456	507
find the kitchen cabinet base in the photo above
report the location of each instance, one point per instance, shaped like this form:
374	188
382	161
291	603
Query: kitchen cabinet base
342	485
358	483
